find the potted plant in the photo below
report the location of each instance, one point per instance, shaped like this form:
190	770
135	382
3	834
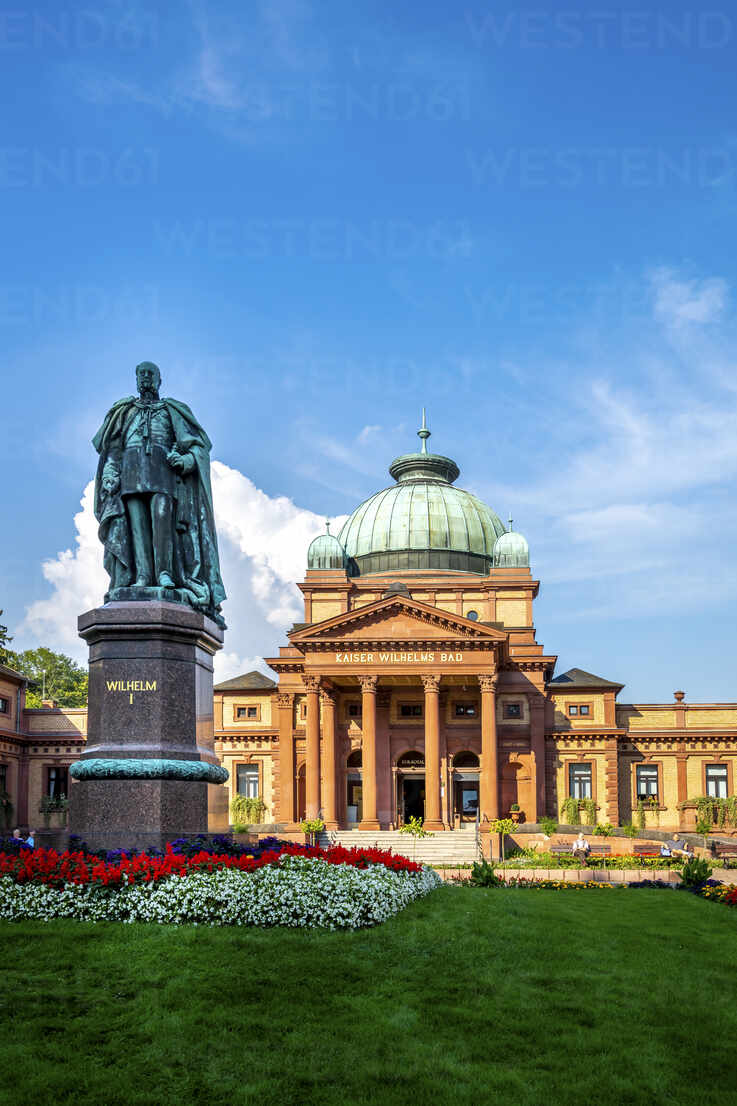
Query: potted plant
312	828
502	826
514	812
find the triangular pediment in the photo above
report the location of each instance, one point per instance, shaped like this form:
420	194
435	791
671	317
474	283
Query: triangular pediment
396	618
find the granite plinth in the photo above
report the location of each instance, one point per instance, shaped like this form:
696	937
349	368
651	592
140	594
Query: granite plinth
150	697
138	814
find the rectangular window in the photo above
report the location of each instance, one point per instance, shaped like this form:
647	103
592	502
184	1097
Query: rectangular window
303	711
465	710
512	710
248	712
4	706
3	777
56	785
579	710
579	781
247	780
410	710
716	780
354	710
647	781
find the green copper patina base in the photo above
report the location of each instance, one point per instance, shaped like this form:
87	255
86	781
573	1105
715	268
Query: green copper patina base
148	769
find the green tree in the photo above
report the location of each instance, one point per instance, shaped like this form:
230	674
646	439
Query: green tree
7	656
61	677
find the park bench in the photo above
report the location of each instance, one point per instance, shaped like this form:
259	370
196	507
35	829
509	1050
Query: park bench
646	850
722	850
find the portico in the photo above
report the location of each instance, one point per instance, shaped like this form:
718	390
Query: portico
406	686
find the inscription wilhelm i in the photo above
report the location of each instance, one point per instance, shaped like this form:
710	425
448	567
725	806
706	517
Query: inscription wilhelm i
130	686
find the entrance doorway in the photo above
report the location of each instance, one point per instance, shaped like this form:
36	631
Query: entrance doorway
465	786
354	788
413	797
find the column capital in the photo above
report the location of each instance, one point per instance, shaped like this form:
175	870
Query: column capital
489	681
430	683
368	684
284	699
327	695
311	683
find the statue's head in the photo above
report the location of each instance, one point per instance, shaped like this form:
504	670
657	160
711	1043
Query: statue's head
148	378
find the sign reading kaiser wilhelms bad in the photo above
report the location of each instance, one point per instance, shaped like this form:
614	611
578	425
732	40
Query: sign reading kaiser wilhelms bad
398	658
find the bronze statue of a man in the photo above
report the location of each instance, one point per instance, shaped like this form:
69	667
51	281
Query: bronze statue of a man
153	501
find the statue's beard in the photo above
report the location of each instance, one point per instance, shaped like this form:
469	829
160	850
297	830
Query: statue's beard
149	395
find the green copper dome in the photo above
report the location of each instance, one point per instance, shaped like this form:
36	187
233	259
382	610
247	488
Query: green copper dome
326	551
511	550
421	521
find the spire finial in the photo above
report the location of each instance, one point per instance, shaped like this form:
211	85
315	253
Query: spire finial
511	520
423	432
327	525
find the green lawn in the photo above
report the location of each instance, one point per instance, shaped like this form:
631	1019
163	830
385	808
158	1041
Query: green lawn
469	996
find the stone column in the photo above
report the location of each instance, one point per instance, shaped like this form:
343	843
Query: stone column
285	709
312	767
682	777
433	820
489	797
368	725
330	809
537	745
611	778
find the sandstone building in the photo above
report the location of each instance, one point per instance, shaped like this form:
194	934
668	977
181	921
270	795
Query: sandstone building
415	687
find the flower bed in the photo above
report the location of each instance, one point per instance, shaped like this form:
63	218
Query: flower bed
484	876
534	859
294	886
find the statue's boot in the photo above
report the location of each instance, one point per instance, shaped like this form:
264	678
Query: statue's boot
165	580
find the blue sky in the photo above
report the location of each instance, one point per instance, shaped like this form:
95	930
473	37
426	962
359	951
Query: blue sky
318	218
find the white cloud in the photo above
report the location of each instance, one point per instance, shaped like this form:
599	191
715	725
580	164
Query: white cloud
633	486
680	302
263	552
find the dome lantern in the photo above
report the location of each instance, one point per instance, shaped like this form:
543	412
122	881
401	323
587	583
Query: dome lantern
421	522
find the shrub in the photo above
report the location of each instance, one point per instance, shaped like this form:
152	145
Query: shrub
483	875
569	810
629	830
604	829
695	872
245	810
415	828
548	825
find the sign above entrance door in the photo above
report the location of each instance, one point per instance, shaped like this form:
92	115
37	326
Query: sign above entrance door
399	658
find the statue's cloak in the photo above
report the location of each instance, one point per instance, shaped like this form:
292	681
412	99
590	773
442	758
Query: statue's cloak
197	548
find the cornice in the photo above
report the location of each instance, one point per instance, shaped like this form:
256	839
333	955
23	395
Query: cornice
378	611
396	645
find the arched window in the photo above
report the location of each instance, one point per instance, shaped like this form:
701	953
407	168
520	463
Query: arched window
466	759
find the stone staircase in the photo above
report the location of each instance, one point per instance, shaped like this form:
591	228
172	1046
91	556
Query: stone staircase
449	847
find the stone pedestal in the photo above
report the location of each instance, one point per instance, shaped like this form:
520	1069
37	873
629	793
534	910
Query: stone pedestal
144	775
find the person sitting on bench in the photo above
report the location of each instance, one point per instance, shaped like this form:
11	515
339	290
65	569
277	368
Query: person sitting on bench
580	848
676	847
